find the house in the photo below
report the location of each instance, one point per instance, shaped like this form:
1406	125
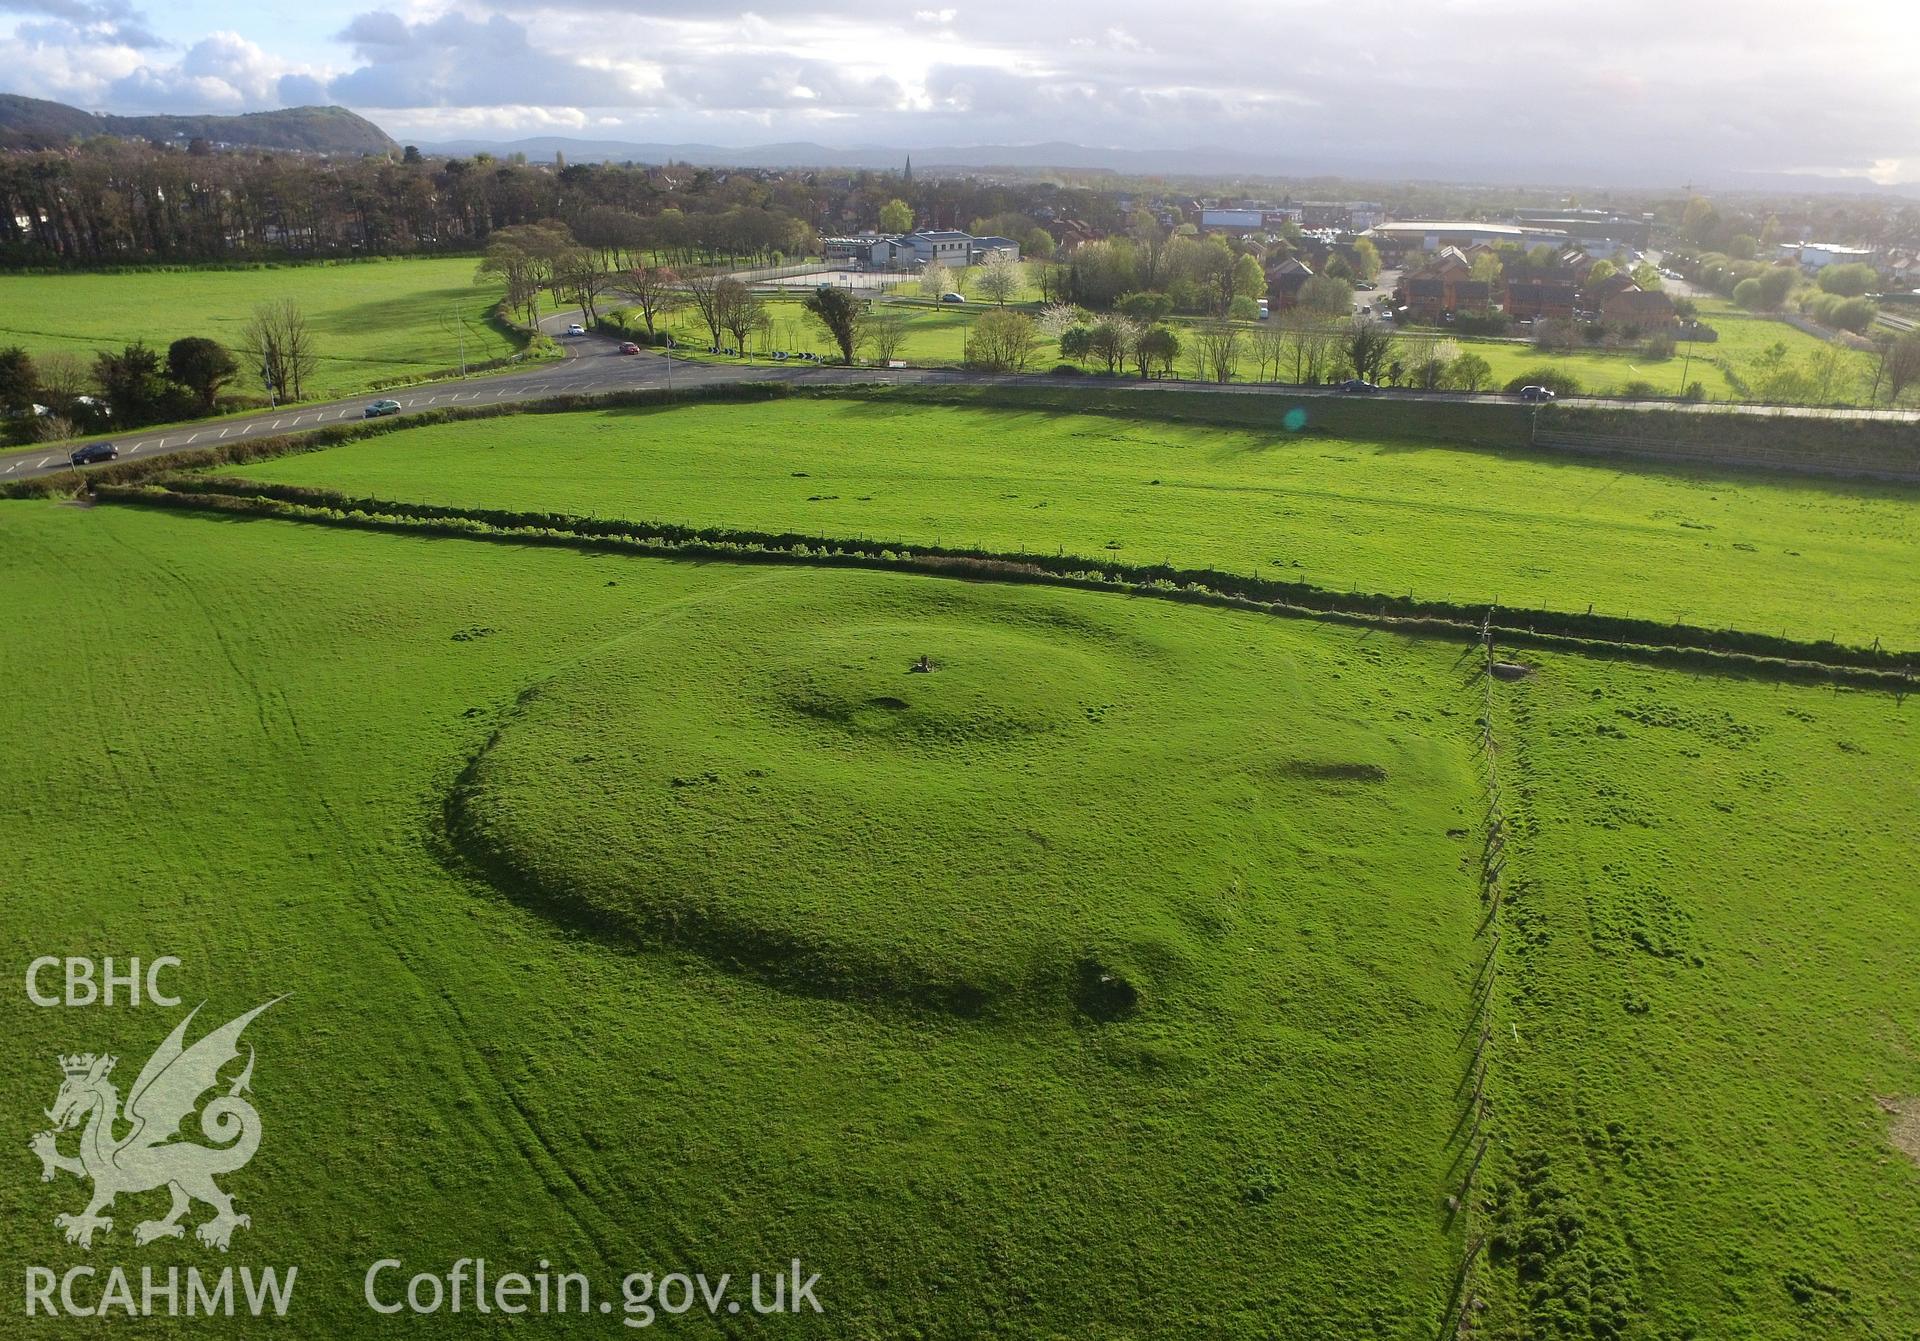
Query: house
1603	290
1541	298
1444	285
1640	310
1284	282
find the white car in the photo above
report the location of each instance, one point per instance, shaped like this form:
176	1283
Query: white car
576	329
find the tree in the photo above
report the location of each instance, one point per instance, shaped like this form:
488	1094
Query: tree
1849	281
1325	296
1554	380
1146	306
19	381
1367	346
1470	372
1076	343
883	332
1218	345
131	384
524	256
1600	270
579	274
935	280
1338	267
896	216
840	313
1900	364
1155	351
1111	341
1001	341
1000	277
739	310
1647	277
279	348
1487	268
1056	319
657	291
703	295
1366	259
202	366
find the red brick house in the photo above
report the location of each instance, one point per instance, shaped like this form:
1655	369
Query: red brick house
1284	282
1541	298
1444	284
1641	310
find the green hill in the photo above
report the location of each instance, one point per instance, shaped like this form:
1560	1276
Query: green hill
33	123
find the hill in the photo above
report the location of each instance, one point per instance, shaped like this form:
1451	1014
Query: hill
33	123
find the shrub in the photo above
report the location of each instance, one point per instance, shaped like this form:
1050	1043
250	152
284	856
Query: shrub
1639	389
1559	383
1660	346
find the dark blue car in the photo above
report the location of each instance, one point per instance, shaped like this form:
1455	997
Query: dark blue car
93	453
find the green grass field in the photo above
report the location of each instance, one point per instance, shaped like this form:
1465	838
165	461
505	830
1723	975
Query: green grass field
1809	558
1222	958
936	336
375	321
1709	1011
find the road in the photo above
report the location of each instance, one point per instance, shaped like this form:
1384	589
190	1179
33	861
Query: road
594	365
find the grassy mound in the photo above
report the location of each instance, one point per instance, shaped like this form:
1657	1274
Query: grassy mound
249	773
1069	810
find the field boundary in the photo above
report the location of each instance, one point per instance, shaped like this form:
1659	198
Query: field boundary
1724	651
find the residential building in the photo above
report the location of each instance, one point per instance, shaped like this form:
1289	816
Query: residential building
1641	309
1284	282
1541	298
1444	285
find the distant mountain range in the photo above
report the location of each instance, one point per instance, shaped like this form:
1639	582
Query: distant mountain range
32	123
1192	162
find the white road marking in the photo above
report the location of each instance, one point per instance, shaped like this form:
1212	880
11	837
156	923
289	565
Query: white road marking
225	431
190	440
276	423
44	460
131	450
10	469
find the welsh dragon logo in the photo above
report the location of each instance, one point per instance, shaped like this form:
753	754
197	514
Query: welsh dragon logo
148	1156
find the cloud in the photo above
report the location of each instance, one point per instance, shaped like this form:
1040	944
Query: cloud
1452	87
455	61
221	73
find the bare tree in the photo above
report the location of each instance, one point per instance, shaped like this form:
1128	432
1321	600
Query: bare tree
278	345
580	276
1900	364
703	295
657	290
1218	346
883	332
1367	346
739	310
1111	341
1001	342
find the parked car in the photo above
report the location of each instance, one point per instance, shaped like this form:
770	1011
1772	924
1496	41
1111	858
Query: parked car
93	453
576	329
953	297
1359	384
380	407
1536	393
629	347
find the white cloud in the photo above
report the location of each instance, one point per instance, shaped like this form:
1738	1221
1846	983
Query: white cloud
1661	94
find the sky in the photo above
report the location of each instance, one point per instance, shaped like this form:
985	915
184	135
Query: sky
1635	90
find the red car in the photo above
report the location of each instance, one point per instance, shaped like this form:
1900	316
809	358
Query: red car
629	348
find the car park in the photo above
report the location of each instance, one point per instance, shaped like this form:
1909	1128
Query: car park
93	453
382	407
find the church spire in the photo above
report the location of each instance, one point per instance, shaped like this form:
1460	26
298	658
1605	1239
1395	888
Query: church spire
907	176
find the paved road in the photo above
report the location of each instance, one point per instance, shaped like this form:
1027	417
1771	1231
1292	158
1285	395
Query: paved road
593	365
